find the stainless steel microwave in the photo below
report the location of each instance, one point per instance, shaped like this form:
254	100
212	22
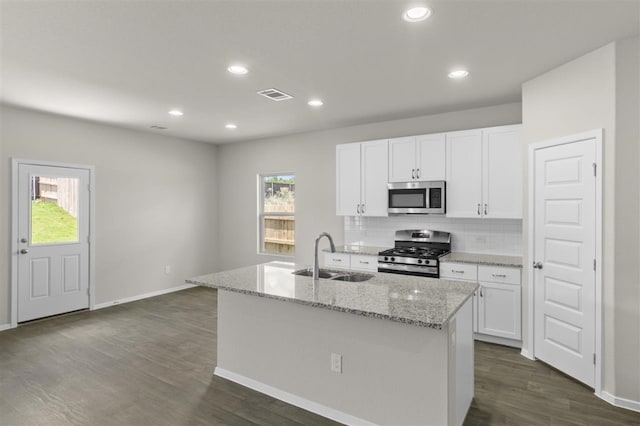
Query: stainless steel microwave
417	197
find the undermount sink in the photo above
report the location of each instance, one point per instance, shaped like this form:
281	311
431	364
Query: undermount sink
354	278
337	276
323	273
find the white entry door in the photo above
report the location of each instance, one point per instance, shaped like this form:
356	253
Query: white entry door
53	246
564	256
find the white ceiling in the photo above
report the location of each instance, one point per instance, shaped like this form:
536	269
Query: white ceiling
128	62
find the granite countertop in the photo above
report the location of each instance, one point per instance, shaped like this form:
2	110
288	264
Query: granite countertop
358	249
425	302
483	259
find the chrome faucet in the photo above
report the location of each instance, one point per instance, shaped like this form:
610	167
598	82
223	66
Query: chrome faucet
316	268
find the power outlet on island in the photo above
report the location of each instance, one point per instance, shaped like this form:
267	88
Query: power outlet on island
336	363
167	269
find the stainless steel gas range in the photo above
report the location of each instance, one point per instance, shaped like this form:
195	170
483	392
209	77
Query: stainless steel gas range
416	252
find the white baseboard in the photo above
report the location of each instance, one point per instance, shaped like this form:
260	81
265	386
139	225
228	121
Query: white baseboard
620	402
289	398
4	327
525	353
497	340
142	296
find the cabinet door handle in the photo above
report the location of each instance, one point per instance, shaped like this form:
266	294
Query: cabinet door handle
336	260
358	208
485	209
499	275
478	209
481	295
413	173
363	262
457	272
362	208
417	173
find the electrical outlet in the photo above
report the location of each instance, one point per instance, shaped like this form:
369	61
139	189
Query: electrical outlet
167	269
336	363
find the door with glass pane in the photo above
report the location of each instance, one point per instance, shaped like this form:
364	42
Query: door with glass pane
53	247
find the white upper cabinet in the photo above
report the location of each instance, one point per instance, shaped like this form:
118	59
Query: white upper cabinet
402	159
431	155
417	158
361	179
484	173
374	178
348	179
502	172
464	173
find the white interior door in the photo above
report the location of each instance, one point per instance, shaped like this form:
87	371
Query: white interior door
53	247
564	255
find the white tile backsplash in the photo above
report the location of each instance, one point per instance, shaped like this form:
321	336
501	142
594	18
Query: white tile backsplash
490	236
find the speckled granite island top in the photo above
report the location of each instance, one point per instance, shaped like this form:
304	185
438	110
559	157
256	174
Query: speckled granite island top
483	259
425	302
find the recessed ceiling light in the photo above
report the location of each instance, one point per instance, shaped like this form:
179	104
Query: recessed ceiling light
176	112
416	14
231	126
237	69
458	74
315	102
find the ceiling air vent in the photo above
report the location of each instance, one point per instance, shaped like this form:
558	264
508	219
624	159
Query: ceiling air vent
274	94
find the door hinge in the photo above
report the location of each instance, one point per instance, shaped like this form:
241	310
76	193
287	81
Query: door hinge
595	166
594	358
89	239
594	264
87	292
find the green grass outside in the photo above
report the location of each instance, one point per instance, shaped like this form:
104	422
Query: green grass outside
51	224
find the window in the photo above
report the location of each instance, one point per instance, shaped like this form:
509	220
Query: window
277	221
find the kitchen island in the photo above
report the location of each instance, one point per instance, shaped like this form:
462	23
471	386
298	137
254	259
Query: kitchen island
394	349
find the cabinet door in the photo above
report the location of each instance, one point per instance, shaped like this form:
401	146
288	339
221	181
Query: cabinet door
402	159
374	178
499	310
464	173
347	179
502	172
431	157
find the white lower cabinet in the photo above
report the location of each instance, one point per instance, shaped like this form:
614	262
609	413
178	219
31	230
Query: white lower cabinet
463	272
497	313
364	262
499	310
337	260
360	262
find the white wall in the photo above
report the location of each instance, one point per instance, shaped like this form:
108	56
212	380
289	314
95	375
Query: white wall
155	200
311	156
627	218
582	95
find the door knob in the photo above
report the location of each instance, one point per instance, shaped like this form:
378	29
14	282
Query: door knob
24	240
537	265
24	251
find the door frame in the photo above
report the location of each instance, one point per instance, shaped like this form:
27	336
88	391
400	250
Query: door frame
15	162
529	349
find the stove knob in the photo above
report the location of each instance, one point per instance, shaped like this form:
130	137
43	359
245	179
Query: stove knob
419	261
386	259
393	259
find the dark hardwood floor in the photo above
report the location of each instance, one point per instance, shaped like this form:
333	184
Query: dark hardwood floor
150	362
